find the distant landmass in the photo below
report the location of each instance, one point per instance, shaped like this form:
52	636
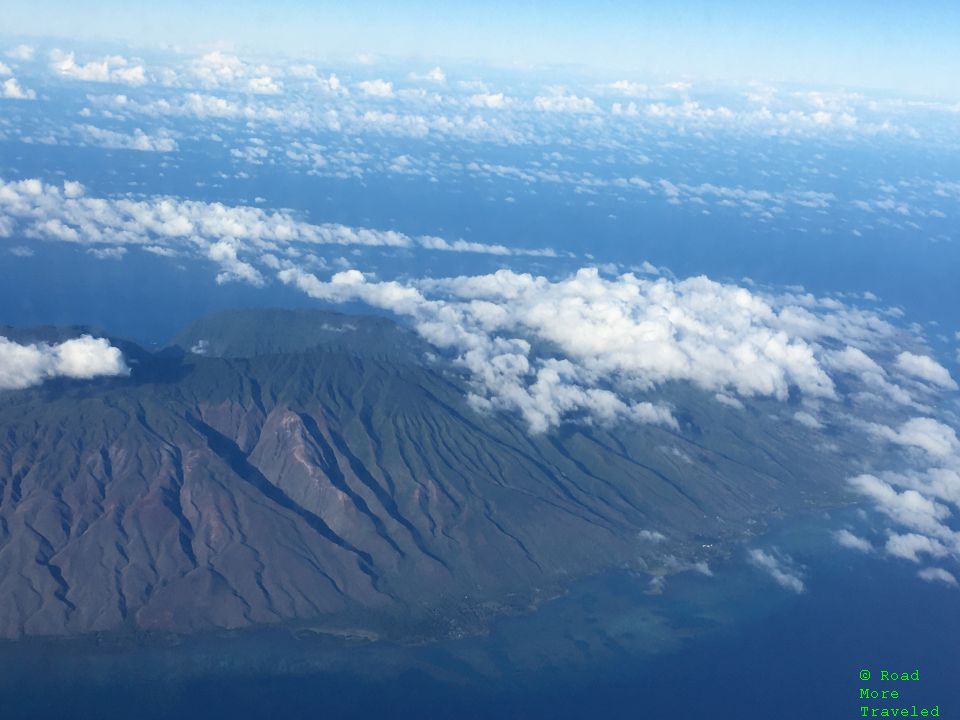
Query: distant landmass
327	471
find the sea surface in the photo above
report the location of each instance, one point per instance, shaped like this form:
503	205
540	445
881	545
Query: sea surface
730	645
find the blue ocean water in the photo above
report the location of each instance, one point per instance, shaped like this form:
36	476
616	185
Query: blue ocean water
147	298
734	645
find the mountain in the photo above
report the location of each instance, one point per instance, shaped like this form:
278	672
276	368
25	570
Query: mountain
326	470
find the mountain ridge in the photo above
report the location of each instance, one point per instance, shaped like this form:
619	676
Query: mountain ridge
348	483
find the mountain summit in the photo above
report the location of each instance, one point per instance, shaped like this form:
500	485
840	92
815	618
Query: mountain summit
310	467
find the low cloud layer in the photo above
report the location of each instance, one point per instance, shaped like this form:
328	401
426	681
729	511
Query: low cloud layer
66	213
111	69
81	358
596	346
921	501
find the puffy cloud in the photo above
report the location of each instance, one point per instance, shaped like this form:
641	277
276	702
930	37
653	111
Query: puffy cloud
5	70
489	100
435	243
108	253
628	87
921	497
10	89
588	346
115	69
805	418
351	285
934	437
781	568
264	84
331	84
305	71
137	140
729	401
217	67
376	88
224	253
562	102
64	213
21	52
602	343
935	574
220	69
925	368
911	546
855	361
910	508
436	75
847	539
83	358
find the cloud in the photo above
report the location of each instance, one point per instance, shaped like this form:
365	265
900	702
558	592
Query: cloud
934	574
909	508
108	253
66	214
376	88
779	567
934	437
910	546
847	539
567	103
435	243
83	358
10	89
489	100
651	536
224	253
628	87
605	342
805	418
265	85
925	368
5	70
856	362
332	85
112	69
436	75
217	67
589	347
21	52
137	140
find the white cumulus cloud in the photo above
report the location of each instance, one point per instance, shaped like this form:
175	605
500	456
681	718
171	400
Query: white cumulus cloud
780	568
115	69
83	358
602	343
11	89
925	368
376	88
935	574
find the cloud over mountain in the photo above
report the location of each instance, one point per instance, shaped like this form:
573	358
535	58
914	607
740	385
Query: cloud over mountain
596	346
81	358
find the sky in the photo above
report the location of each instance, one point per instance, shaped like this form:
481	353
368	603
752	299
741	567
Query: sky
907	47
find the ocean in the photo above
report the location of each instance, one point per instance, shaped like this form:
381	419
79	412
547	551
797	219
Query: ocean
730	645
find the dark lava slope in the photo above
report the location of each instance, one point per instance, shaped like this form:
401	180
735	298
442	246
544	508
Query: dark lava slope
315	467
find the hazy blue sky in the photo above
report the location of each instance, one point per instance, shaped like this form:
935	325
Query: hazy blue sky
899	45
